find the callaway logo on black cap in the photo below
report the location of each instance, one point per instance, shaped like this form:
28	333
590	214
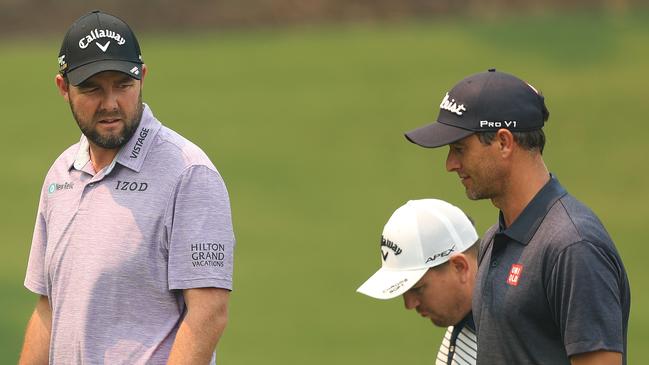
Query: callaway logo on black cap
99	42
487	101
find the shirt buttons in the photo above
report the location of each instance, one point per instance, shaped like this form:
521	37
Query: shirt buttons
494	263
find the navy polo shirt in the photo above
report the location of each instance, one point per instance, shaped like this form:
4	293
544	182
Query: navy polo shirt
550	286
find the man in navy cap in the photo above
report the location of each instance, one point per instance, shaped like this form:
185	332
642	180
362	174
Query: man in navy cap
133	245
551	287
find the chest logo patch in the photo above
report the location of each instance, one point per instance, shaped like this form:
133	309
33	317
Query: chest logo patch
514	274
54	187
131	186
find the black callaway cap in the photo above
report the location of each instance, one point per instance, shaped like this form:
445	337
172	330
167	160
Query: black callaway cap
99	42
483	102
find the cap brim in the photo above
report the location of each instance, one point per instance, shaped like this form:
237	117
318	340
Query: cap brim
436	135
82	73
388	284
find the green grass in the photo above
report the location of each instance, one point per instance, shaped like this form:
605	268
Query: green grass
306	125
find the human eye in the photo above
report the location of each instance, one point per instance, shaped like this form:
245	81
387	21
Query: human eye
457	148
417	289
88	89
125	85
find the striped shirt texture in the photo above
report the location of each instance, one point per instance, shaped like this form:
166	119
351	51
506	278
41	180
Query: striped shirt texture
459	346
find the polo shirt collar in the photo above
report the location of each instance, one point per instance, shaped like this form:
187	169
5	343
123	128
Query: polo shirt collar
133	153
467	322
83	154
528	222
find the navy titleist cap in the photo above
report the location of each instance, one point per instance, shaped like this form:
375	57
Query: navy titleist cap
99	42
483	102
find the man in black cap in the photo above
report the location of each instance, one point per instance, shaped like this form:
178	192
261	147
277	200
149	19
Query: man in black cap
551	287
133	245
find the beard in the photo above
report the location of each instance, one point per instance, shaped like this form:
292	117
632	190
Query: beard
479	193
487	184
110	140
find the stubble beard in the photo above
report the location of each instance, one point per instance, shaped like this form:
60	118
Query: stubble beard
487	186
478	194
110	141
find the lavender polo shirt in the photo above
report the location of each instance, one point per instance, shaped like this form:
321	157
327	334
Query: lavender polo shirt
112	249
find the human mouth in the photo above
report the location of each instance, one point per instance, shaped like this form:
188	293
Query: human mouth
109	122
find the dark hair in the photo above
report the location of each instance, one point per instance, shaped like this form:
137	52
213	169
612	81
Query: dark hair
532	140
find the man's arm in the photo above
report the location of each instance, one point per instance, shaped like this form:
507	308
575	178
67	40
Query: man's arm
597	358
205	319
36	347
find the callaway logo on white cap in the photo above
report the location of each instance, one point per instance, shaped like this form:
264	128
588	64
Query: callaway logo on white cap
419	235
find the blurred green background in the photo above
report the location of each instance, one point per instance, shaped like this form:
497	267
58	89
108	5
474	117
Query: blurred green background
305	124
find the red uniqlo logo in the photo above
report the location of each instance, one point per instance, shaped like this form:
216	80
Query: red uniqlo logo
514	274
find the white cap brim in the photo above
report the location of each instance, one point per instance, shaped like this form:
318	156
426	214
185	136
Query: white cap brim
388	284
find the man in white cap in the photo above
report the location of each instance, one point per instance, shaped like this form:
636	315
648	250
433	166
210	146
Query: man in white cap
429	247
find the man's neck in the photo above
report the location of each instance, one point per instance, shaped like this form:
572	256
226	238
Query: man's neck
523	183
101	157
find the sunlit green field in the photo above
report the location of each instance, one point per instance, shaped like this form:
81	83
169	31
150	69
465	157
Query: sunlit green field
305	124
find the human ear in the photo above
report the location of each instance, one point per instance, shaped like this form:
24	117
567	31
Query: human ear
144	71
460	266
62	86
505	141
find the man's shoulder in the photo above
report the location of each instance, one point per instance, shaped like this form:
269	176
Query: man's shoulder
490	232
570	221
179	151
65	159
486	238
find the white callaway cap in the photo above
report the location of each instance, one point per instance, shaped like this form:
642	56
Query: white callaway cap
421	234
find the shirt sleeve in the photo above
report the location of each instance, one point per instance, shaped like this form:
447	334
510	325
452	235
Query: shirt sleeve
585	296
200	235
35	276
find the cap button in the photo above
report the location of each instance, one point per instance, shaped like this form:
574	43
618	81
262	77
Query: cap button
492	70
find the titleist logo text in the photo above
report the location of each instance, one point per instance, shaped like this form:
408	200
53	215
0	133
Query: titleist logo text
452	106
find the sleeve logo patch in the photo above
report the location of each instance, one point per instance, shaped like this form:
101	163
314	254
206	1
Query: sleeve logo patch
515	274
207	254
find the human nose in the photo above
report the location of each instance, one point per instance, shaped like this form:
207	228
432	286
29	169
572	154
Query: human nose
410	300
452	163
109	101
